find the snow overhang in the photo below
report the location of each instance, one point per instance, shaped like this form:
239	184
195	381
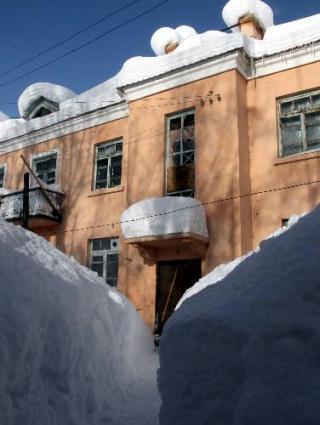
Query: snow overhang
167	222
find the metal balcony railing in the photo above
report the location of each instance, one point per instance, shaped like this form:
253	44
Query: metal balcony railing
11	205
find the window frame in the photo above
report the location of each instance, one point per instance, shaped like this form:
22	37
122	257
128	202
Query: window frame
44	156
294	113
4	168
104	253
168	118
95	167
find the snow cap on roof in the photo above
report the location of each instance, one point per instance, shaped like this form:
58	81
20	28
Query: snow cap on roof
234	10
167	36
49	91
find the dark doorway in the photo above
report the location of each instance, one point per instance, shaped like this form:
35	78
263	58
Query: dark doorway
173	279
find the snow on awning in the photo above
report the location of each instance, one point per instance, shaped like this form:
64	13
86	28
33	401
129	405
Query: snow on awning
166	222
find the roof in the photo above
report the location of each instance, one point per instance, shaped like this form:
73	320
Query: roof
191	51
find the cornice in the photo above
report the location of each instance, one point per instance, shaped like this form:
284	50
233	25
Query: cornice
65	127
178	77
248	66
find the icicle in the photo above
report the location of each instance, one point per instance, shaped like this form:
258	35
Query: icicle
252	66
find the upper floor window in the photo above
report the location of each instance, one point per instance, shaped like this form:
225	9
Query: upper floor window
104	256
2	175
299	121
108	165
45	167
180	179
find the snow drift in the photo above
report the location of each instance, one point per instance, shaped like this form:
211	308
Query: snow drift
72	349
246	350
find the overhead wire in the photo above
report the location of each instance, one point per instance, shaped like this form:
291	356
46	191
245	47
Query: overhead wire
179	210
70	37
87	43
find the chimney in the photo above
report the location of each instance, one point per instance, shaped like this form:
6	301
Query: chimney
250	26
170	47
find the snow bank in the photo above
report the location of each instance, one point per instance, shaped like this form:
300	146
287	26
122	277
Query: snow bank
49	91
234	10
221	271
72	349
245	351
164	216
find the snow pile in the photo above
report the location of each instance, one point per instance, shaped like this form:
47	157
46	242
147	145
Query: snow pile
72	349
246	350
166	36
164	216
234	10
221	271
49	91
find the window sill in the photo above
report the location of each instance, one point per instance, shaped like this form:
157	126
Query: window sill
107	191
302	156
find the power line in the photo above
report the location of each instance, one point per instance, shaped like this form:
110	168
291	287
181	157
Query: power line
70	37
93	40
202	100
215	201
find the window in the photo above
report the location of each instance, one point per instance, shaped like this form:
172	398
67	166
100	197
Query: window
180	155
299	120
108	165
45	167
104	255
40	108
2	175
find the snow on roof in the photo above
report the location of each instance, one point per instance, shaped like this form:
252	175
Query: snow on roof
234	10
248	346
192	48
49	91
164	216
165	36
72	349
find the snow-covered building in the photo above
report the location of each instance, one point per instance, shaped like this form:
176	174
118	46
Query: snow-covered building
178	163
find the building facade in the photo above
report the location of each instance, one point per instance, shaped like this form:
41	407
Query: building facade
181	162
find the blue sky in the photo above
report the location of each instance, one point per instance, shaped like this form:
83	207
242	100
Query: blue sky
27	28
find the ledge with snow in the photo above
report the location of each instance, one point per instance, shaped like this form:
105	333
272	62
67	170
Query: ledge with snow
172	221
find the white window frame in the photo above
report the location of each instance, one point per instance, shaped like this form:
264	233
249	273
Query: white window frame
116	154
294	113
169	156
104	253
42	155
4	168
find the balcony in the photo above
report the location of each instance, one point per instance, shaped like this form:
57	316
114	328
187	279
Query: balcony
41	213
174	222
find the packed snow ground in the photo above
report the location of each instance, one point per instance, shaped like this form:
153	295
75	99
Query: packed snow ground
73	351
246	350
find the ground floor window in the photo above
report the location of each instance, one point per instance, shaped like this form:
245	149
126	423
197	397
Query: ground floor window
104	257
173	279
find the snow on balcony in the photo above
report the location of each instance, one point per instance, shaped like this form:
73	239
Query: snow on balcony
11	205
166	222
